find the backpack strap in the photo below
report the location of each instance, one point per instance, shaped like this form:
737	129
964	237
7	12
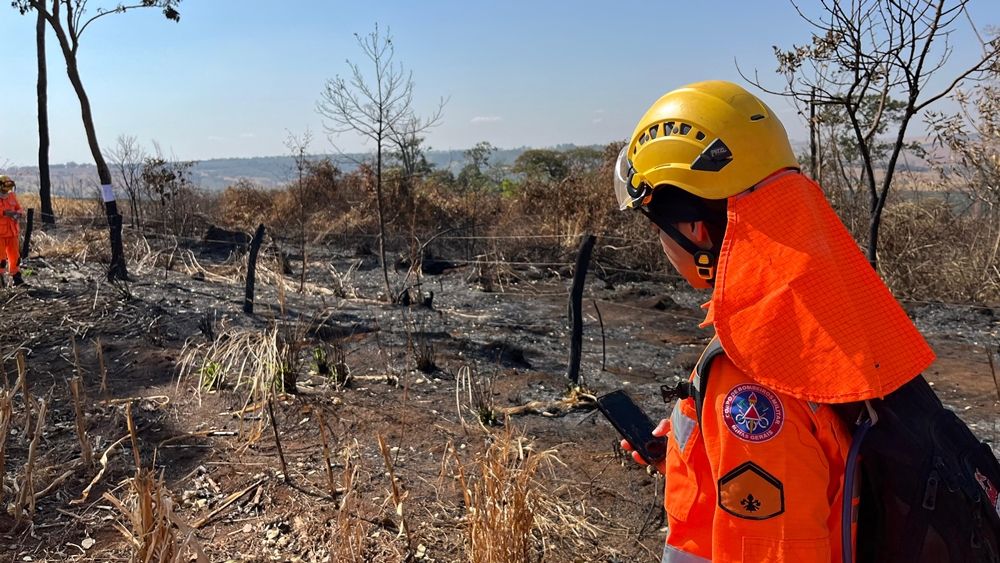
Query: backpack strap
695	388
700	381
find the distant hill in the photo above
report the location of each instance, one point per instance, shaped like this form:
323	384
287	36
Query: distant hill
80	180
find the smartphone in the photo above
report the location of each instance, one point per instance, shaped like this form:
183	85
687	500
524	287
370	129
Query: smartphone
632	423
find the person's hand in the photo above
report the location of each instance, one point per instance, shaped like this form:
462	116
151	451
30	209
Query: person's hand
660	432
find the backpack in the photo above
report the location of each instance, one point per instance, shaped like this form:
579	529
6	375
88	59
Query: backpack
929	489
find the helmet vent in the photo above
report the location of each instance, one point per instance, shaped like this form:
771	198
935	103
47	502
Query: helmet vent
644	138
685	129
667	127
700	136
653	130
756	117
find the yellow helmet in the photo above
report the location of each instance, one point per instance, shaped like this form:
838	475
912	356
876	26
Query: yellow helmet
711	139
6	183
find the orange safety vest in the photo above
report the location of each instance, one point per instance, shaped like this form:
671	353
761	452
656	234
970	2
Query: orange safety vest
804	322
8	225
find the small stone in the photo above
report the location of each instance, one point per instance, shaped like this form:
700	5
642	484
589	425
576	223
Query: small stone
88	543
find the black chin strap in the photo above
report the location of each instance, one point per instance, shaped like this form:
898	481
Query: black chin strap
704	260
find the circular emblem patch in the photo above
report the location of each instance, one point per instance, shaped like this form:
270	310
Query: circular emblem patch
753	413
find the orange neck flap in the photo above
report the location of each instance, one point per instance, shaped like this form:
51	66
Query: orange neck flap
798	308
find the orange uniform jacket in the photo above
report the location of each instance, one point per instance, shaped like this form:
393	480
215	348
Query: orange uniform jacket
8	225
760	480
804	322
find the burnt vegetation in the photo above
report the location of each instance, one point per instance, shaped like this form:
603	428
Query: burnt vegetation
422	424
399	392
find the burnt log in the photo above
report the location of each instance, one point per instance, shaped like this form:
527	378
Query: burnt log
217	239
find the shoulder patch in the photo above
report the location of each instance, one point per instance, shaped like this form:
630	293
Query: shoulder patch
992	494
753	413
751	493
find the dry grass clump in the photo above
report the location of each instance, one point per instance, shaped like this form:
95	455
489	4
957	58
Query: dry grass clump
153	531
78	245
244	359
931	249
477	393
513	512
75	209
330	361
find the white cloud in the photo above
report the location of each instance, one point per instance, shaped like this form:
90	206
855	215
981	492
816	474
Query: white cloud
597	120
215	138
247	136
485	119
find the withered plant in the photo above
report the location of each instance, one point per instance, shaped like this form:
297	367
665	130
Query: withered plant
248	361
348	543
77	391
330	360
514	512
154	533
24	497
398	494
474	395
6	414
424	354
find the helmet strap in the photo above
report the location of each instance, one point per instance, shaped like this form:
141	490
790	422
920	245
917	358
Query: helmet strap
704	260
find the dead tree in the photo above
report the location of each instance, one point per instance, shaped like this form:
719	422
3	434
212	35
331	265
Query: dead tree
128	157
885	50
44	179
376	107
68	19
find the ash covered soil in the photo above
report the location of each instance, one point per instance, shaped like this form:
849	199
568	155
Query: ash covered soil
497	334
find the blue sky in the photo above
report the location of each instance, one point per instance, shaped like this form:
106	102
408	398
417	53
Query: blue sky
228	81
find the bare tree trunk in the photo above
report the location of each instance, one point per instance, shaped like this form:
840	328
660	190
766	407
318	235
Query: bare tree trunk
878	205
381	222
302	225
813	133
117	269
44	182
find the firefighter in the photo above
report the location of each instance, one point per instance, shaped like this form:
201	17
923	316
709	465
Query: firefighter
9	229
756	454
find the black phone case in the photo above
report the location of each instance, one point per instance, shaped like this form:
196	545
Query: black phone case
632	423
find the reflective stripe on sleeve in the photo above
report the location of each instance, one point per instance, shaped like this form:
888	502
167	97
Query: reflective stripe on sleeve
673	555
682	426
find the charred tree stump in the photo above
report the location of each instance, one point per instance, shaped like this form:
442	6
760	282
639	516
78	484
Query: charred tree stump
258	237
117	270
576	307
26	243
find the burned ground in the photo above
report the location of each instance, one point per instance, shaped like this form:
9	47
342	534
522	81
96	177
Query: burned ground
494	337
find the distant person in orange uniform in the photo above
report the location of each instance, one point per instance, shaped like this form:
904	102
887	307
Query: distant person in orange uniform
801	321
9	229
